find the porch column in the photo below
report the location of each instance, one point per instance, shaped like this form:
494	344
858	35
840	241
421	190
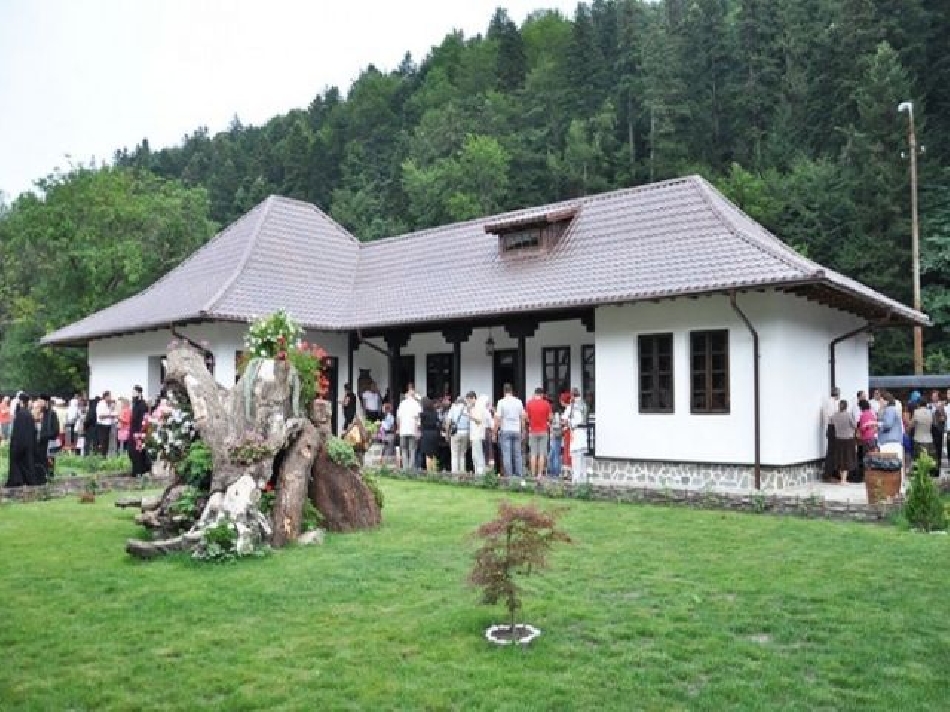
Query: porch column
457	335
522	329
352	344
395	340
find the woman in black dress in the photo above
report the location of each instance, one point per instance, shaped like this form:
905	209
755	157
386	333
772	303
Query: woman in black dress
431	426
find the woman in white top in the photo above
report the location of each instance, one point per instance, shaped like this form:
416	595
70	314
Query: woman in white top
478	417
575	416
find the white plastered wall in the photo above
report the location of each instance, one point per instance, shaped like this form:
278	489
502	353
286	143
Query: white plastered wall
121	362
794	337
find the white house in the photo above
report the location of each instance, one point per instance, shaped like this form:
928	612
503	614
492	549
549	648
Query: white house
658	301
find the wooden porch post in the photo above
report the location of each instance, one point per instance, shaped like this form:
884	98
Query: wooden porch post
522	330
395	340
457	335
353	343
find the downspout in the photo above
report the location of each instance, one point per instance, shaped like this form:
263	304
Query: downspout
838	340
756	393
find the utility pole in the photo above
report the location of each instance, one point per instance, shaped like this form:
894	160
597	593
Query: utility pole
908	107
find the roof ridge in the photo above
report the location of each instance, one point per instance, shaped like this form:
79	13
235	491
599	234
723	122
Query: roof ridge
320	211
242	263
779	250
580	201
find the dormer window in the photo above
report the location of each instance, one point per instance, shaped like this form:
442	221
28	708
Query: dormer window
521	240
531	232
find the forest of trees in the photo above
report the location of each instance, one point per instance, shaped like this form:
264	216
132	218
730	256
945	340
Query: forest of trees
789	106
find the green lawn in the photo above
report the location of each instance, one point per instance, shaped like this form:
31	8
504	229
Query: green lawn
651	608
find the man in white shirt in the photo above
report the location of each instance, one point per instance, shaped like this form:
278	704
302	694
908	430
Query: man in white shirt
407	423
372	402
105	419
510	421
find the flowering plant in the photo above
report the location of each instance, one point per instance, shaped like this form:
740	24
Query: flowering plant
251	448
269	337
278	336
309	360
169	430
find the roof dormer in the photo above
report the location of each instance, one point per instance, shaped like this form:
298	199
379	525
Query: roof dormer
531	232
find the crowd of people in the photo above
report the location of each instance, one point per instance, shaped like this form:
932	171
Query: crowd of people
882	424
468	433
38	428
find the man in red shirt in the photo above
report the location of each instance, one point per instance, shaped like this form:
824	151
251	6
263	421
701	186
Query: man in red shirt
538	411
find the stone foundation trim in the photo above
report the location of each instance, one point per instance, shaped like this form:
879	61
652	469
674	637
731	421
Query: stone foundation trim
703	475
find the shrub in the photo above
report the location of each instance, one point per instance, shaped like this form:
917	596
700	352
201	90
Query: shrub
266	505
197	465
312	518
218	543
374	488
924	508
515	544
92	463
490	480
187	503
341	452
584	491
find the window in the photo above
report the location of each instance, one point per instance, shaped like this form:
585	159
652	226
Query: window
656	373
587	373
439	375
527	239
556	361
709	371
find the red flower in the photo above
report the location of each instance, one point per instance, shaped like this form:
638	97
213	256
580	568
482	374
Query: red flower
281	355
304	346
281	340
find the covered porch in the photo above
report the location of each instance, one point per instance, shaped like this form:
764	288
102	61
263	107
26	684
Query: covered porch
553	350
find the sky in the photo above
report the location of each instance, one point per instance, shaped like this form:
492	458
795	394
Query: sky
82	78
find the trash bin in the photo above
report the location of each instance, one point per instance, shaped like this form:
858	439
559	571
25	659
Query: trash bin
882	476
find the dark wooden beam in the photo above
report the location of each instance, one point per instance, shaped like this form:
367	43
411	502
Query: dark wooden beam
397	339
523	328
457	333
522	369
352	344
482	322
588	321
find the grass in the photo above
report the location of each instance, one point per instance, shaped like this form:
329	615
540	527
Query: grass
652	608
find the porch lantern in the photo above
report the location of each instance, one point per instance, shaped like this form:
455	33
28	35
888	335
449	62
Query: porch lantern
489	345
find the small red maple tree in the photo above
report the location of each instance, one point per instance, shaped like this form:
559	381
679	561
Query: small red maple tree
515	544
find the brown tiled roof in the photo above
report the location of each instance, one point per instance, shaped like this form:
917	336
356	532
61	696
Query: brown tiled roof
676	238
282	254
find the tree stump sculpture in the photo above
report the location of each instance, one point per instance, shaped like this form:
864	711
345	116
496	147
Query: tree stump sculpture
262	404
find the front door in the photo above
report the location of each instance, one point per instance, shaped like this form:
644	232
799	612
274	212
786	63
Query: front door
505	369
